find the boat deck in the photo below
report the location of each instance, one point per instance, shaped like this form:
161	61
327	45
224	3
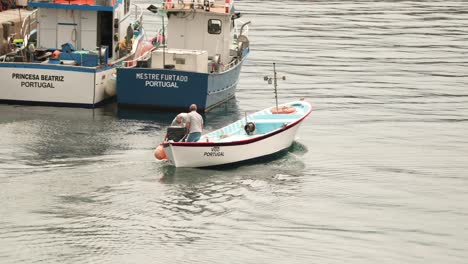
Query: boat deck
13	18
265	122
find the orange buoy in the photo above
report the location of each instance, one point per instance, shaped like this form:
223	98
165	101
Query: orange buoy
56	54
159	153
285	109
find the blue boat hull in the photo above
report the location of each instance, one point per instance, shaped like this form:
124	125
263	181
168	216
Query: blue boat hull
175	90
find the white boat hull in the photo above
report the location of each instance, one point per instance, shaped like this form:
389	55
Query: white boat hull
53	84
214	154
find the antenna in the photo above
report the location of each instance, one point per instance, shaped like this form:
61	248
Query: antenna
164	42
274	80
162	12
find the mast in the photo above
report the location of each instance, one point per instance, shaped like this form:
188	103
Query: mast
274	80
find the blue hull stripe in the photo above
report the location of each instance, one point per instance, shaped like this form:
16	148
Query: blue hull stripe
52	67
71	7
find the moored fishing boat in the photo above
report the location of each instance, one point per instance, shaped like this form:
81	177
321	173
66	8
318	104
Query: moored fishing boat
68	52
200	62
257	135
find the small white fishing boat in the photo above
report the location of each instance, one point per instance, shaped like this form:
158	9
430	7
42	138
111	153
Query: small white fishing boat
257	135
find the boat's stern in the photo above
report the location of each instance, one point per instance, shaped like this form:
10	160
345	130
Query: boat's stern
161	88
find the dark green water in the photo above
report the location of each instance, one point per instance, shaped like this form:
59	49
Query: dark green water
378	173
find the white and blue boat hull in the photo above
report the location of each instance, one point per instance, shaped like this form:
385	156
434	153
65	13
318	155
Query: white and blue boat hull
174	89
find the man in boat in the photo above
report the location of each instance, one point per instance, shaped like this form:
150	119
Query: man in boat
180	120
177	131
194	124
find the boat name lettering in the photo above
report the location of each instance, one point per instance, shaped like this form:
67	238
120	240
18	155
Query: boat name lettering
38	84
31	80
162	77
161	84
215	148
215	152
37	77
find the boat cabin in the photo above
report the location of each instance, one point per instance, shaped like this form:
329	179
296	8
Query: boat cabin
197	32
83	30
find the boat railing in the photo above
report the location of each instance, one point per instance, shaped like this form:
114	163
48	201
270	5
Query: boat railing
244	29
224	5
138	13
126	63
29	24
79	2
230	65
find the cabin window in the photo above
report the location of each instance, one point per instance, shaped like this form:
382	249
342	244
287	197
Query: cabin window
214	26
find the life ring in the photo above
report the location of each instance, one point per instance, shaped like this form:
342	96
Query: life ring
285	109
249	128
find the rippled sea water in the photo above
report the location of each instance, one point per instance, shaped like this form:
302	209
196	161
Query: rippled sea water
378	173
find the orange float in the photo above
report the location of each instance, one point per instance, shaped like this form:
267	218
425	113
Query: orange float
285	109
159	153
56	54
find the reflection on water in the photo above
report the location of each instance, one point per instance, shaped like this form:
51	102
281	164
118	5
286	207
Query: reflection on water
190	212
54	137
